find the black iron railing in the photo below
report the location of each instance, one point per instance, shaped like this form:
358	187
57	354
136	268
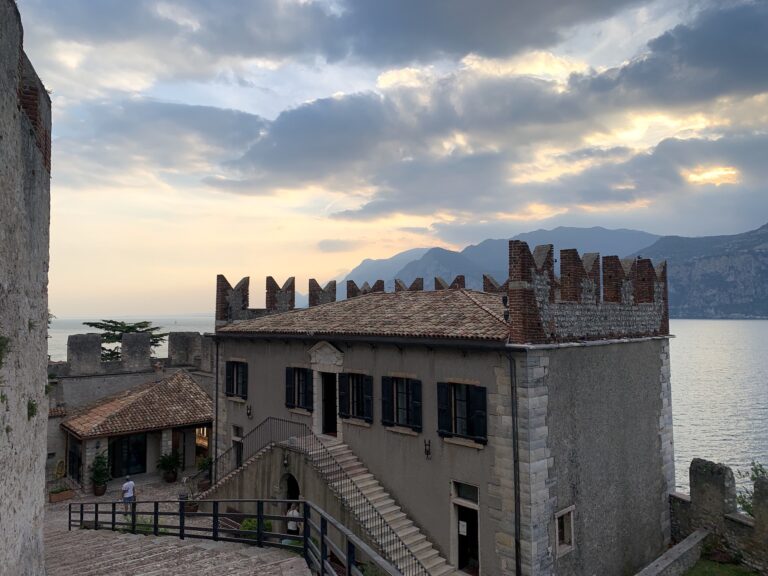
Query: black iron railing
299	437
328	547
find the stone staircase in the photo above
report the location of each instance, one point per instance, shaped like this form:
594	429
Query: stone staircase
398	521
103	552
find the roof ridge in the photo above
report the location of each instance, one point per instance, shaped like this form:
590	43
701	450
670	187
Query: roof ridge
470	295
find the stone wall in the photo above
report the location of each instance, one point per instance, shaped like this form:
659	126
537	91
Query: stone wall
543	308
595	439
712	506
679	559
25	127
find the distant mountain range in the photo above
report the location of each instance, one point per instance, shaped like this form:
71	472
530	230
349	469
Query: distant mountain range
716	276
709	277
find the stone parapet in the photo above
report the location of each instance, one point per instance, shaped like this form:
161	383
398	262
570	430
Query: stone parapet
712	506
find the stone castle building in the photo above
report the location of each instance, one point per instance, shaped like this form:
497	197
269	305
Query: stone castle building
25	167
131	410
525	429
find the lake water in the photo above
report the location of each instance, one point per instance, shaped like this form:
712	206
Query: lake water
719	385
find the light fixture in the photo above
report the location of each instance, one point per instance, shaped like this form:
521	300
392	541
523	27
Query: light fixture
428	449
249	411
285	461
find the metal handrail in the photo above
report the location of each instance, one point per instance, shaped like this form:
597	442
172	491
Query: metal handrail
298	436
315	542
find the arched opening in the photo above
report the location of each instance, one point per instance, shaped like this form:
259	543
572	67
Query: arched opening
290	487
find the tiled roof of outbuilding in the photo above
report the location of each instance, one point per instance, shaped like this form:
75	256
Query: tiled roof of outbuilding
172	402
442	314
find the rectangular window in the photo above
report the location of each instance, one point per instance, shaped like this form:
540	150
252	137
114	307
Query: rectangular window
401	402
298	388
356	396
462	411
237	379
564	527
466	492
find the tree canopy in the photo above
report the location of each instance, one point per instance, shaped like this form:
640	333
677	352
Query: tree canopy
112	335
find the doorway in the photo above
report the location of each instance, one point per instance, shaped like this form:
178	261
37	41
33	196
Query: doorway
467	540
329	403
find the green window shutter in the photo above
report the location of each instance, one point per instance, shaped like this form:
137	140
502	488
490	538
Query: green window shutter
290	393
368	399
478	413
344	395
230	379
444	424
309	403
387	402
414	413
242	388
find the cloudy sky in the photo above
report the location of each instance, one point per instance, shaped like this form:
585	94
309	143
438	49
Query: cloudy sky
296	137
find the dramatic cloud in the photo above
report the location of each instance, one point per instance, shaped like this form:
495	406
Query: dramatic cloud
414	123
722	52
392	32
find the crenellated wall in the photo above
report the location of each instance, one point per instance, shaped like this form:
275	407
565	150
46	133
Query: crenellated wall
712	506
25	162
593	299
545	309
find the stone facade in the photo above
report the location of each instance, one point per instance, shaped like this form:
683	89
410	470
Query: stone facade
25	162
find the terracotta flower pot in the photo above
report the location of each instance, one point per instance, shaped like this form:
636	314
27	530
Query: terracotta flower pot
170	476
99	489
54	497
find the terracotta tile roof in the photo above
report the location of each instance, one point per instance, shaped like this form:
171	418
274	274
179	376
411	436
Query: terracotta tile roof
57	411
451	314
174	401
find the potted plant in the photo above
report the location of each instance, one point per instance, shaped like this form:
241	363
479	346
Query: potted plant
100	474
204	464
60	493
169	465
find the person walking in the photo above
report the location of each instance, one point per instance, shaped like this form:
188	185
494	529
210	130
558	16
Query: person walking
129	493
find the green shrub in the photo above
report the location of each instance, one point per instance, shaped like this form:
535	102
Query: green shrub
745	496
100	470
252	524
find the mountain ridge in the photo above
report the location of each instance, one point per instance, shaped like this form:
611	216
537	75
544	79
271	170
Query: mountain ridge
724	276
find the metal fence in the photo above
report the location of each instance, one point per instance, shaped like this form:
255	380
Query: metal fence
327	546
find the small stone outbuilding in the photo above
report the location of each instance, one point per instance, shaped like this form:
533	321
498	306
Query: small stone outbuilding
133	428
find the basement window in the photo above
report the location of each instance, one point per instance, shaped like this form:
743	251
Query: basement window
564	529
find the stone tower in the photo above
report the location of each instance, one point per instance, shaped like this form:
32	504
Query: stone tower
25	164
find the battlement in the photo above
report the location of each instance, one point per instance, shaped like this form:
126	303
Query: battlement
34	101
631	300
458	283
188	349
593	299
712	506
353	291
318	295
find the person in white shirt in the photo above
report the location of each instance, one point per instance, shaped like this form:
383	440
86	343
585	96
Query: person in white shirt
293	525
129	493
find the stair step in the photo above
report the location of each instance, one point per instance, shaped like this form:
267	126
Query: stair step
441	570
367	483
404	532
360	477
426	555
383	503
